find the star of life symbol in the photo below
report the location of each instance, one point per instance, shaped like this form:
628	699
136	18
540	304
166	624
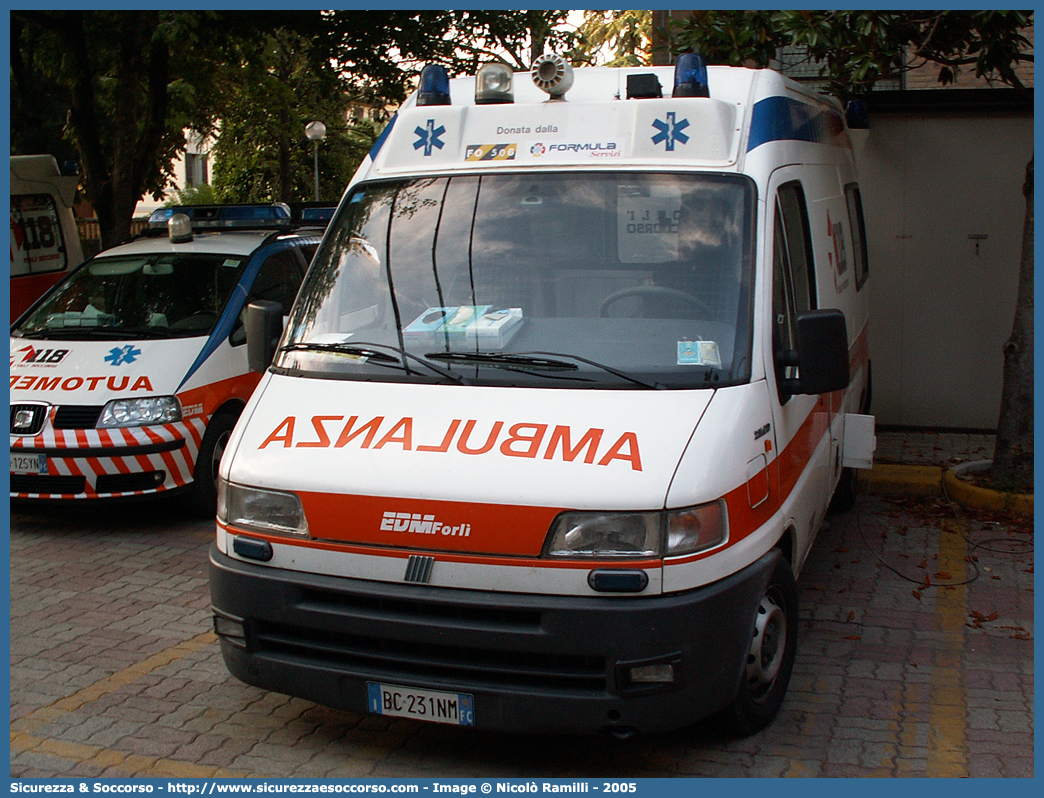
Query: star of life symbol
428	137
670	131
122	354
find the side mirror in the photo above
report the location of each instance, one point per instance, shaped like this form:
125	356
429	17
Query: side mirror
822	354
264	326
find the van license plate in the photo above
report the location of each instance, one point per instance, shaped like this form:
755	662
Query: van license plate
431	705
28	463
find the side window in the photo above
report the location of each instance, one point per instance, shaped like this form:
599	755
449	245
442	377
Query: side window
278	279
793	283
855	217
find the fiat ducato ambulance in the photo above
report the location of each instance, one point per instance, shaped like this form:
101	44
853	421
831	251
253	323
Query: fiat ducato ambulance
127	378
559	409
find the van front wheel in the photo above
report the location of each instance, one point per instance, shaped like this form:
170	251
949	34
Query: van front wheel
202	499
770	658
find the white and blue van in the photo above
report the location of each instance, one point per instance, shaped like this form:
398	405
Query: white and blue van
128	376
559	409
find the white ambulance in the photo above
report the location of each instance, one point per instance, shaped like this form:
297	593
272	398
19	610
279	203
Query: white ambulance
559	409
127	377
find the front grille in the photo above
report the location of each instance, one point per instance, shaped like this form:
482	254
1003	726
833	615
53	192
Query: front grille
27	419
466	668
492	618
39	483
77	416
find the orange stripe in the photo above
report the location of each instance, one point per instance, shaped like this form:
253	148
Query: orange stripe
491	528
215	394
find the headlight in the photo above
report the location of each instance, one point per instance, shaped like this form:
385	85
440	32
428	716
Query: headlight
605	535
637	535
140	412
696	528
268	511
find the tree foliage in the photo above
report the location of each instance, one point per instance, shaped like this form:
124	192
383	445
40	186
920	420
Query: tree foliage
127	84
856	49
613	38
121	87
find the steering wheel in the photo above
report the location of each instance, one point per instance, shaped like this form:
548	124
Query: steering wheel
653	291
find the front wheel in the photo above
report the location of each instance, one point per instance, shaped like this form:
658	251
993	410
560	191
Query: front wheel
202	500
770	658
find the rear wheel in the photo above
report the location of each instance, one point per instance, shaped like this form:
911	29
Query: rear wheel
202	500
770	658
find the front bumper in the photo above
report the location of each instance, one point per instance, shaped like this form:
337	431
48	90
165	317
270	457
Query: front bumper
101	464
533	663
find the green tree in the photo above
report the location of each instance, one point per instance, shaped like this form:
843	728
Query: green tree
613	38
854	50
275	87
129	83
123	86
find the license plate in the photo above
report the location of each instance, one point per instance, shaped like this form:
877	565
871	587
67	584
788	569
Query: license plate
28	463
437	706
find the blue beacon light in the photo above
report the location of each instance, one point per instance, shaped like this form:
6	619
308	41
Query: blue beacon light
690	76
434	86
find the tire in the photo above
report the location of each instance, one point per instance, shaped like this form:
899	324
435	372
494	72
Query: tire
770	659
202	499
846	492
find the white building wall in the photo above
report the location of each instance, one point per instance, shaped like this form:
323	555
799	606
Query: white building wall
942	302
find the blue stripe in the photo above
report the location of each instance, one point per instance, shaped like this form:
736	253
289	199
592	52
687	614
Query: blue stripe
786	119
235	304
382	138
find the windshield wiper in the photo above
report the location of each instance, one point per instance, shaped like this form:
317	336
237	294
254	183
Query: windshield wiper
506	360
379	353
540	361
106	333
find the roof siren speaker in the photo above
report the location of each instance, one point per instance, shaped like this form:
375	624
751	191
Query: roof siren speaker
552	74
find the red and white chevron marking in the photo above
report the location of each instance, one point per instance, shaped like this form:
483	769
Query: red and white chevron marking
178	463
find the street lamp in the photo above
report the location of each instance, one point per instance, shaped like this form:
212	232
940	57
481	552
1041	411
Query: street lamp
316	132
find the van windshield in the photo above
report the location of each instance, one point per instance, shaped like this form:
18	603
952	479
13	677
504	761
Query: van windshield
605	280
137	296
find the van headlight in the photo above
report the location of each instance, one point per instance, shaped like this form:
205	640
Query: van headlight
637	535
268	511
140	412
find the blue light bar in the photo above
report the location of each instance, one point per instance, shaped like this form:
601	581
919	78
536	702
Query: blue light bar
690	76
434	86
225	216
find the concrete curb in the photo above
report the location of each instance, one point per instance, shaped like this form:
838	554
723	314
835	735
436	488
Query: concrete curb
889	479
973	495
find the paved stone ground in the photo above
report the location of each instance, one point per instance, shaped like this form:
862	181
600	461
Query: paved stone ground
115	672
930	447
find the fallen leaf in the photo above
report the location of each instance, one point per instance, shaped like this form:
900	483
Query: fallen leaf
851	617
852	637
917	594
943	575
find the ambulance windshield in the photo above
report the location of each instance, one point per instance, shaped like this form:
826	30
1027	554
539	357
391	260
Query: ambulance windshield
618	280
137	296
